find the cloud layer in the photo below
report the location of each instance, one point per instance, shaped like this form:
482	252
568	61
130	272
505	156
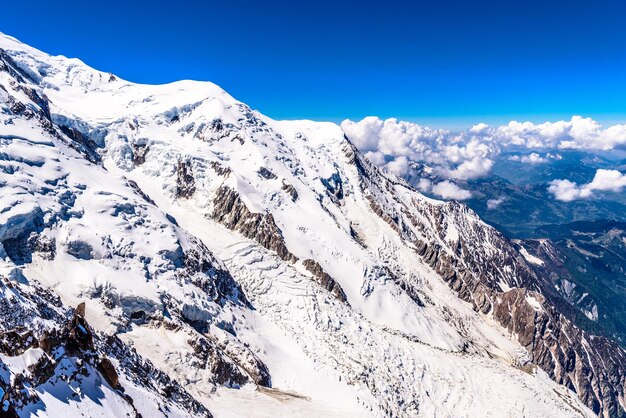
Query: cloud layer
470	154
604	180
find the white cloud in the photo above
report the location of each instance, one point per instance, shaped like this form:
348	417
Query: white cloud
608	180
577	133
552	156
495	203
566	190
449	190
604	180
366	134
479	128
444	189
424	185
376	157
399	166
533	158
470	154
471	169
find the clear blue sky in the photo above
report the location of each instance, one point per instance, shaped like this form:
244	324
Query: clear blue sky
439	62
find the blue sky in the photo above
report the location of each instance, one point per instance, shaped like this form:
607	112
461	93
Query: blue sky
445	63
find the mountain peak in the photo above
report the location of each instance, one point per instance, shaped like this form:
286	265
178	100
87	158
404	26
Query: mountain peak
248	260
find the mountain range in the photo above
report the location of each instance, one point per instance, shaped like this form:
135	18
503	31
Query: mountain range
168	251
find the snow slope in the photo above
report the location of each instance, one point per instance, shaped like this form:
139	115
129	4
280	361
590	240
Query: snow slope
263	265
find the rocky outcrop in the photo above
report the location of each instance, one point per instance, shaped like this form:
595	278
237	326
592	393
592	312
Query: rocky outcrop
69	353
334	187
185	183
205	272
15	341
144	374
229	366
266	174
72	344
219	169
230	211
290	190
140	150
107	370
215	130
85	143
325	280
140	192
224	371
44	246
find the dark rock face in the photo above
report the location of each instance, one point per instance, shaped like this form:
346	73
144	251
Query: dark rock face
80	310
220	169
290	190
229	368
224	372
334	186
17	249
14	241
325	280
107	370
140	192
140	150
486	270
44	246
216	130
214	280
79	249
143	373
266	174
16	341
185	183
82	140
230	211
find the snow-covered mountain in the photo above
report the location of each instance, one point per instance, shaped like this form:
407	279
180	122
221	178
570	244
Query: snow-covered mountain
166	250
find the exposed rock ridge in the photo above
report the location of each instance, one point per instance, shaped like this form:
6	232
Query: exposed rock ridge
185	182
325	280
231	211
